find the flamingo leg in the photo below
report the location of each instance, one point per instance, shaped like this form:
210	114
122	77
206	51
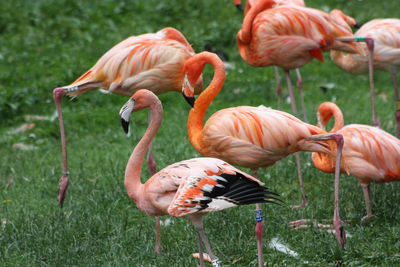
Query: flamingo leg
298	162
370	44
367	192
290	87
58	93
201	258
397	114
278	86
337	222
303	191
151	164
299	85
259	230
198	224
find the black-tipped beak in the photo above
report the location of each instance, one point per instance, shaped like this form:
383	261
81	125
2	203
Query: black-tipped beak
357	25
239	7
125	125
188	99
125	114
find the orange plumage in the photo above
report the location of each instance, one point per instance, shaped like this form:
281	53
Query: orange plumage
369	153
386	57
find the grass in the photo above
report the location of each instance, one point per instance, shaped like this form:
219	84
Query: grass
49	43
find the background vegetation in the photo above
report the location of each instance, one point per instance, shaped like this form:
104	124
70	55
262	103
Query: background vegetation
45	44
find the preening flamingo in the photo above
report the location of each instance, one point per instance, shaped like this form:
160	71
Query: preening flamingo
386	56
369	153
290	36
250	137
249	4
154	61
189	188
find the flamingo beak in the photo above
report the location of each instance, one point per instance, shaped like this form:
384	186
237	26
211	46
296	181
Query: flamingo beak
357	25
239	7
125	114
188	91
190	100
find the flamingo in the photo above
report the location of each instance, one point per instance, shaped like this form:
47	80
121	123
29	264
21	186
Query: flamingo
290	36
153	60
369	153
249	4
250	137
386	33
189	188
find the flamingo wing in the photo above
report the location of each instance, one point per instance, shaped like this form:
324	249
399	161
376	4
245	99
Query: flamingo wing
212	190
371	153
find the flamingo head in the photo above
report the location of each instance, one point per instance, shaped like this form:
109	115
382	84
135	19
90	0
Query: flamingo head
188	91
139	100
192	70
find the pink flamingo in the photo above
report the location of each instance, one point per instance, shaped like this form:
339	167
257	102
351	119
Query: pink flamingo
369	154
189	188
251	137
153	60
290	36
249	4
386	56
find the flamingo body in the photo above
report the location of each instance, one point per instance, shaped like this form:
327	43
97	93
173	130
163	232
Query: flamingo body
289	36
255	137
152	61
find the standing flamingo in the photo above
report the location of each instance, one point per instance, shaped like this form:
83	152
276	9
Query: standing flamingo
386	33
250	137
290	36
249	4
189	188
369	154
154	61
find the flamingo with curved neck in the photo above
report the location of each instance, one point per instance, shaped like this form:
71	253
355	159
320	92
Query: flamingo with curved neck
152	60
369	154
189	188
251	137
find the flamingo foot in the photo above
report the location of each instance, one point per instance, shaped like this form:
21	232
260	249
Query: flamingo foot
302	204
62	189
366	219
340	233
307	223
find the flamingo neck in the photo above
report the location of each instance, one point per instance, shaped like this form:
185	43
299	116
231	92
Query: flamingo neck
347	62
325	162
326	111
197	113
133	184
244	35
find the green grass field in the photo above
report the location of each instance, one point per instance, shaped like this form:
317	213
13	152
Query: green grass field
45	44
